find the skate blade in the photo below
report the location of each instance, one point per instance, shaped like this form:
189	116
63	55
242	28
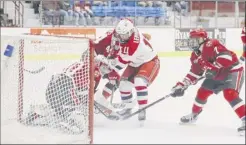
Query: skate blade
187	124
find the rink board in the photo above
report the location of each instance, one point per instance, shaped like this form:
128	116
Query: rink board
77	56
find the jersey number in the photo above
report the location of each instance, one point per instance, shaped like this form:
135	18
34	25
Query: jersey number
108	48
125	50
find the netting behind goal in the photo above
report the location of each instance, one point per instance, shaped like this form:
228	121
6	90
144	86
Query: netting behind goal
46	90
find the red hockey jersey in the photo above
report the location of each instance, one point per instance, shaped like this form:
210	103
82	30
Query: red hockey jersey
213	52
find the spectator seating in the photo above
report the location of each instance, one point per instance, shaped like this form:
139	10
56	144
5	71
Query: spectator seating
107	13
125	11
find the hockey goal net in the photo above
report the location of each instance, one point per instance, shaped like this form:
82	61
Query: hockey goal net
40	101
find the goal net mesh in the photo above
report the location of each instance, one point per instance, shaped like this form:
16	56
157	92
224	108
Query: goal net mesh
46	89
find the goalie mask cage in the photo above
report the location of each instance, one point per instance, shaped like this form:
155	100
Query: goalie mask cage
29	106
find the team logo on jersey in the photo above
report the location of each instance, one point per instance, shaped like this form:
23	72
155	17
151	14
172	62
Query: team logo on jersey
209	44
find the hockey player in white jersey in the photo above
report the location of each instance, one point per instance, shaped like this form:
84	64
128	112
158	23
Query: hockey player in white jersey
141	61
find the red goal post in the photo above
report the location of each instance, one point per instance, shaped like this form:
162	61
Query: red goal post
25	79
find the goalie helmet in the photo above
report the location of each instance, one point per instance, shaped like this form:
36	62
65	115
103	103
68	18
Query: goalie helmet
196	38
124	30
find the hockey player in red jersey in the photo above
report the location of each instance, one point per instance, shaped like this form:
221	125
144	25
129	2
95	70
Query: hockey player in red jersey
141	62
222	72
243	37
102	46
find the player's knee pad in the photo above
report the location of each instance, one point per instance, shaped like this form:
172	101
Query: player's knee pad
125	86
235	101
203	93
202	96
230	94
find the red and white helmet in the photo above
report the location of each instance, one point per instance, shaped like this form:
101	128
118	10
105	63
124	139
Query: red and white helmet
124	30
197	37
198	33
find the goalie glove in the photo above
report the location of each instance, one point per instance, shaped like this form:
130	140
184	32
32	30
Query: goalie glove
179	89
104	69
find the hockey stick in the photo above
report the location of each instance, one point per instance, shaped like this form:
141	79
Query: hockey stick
146	107
112	96
108	113
35	71
151	104
116	105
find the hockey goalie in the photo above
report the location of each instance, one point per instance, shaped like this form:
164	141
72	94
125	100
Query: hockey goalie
67	96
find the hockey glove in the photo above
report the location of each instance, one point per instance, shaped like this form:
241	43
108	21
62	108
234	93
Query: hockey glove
179	89
113	77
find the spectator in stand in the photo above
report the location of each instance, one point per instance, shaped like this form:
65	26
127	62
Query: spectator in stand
87	8
81	12
181	7
35	5
114	3
142	3
159	4
54	12
99	3
184	7
147	3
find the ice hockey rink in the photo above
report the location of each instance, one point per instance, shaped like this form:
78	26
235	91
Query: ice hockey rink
217	124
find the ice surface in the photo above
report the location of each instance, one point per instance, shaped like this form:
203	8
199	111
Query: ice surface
217	123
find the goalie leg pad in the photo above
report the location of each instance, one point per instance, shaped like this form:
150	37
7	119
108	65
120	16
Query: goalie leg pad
58	93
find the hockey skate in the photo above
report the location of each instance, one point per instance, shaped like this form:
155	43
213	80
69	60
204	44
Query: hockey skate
128	109
241	130
189	119
125	112
142	117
